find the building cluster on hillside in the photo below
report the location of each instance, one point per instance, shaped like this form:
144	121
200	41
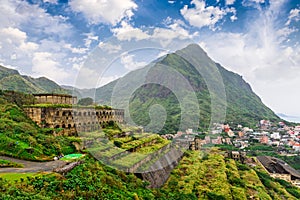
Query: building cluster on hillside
286	138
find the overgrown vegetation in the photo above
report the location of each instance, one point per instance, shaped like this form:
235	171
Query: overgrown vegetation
213	177
7	163
22	138
243	105
91	180
198	176
294	161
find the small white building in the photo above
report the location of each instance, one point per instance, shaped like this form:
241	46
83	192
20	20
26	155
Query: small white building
275	135
296	147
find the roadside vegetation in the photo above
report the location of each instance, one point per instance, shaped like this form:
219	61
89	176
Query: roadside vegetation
214	177
21	138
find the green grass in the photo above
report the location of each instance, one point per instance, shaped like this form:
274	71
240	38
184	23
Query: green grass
18	176
20	137
214	177
7	163
130	159
72	156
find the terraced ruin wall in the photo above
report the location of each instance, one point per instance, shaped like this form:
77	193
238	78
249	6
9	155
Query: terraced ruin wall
73	120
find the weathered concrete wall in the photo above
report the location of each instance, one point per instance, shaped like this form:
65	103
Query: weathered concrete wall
73	120
160	171
55	99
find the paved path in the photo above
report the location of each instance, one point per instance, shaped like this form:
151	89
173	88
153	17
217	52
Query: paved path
31	166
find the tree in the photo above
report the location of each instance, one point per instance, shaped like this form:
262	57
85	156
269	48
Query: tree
86	101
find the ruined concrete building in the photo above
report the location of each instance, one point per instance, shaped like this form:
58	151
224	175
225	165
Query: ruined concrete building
56	111
55	99
277	168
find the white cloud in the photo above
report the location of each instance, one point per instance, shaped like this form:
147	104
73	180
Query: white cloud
32	17
162	53
106	79
110	48
294	15
171	32
129	63
32	40
50	1
261	56
175	29
128	32
254	3
229	2
98	11
15	45
45	65
90	37
257	1
202	15
75	50
233	18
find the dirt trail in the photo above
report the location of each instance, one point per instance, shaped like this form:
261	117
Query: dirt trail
31	166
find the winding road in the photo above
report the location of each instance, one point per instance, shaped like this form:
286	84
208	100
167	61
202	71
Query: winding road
31	166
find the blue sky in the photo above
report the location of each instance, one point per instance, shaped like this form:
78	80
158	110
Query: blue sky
69	40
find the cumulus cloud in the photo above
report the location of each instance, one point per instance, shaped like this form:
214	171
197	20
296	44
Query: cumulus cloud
262	57
128	32
254	3
229	2
129	63
90	37
294	15
75	50
27	31
202	15
50	1
99	11
15	45
44	64
110	48
174	29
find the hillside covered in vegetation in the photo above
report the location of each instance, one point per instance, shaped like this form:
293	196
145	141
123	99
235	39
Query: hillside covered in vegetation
11	79
198	176
20	137
241	104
